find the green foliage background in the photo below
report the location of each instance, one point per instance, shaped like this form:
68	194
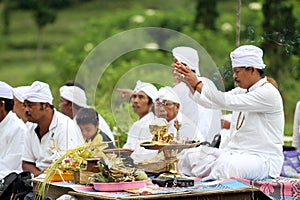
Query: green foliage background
81	27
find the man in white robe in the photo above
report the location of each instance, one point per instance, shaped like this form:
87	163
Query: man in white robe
141	101
207	120
52	134
256	140
72	99
12	133
167	106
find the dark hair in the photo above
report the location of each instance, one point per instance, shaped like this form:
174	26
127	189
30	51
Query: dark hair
77	107
41	106
150	100
86	116
260	71
8	103
75	84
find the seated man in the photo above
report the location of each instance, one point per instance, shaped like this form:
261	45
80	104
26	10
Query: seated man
207	120
88	122
72	99
52	134
12	133
142	103
167	106
19	109
254	150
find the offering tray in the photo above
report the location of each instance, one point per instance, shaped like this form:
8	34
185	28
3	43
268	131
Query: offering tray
170	151
159	145
153	145
119	186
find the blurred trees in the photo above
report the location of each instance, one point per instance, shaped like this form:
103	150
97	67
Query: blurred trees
44	12
206	13
279	36
210	23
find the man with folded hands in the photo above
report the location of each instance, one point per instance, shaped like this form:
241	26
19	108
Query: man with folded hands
254	150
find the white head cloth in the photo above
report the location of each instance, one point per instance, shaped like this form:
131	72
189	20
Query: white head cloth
74	94
167	93
148	88
39	92
188	56
6	91
246	56
20	92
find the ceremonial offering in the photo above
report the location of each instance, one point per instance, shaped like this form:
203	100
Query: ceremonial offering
119	186
62	176
116	172
72	162
123	154
165	141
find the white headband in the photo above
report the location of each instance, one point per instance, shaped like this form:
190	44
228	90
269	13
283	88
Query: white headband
188	56
6	90
148	88
167	93
20	92
39	92
246	56
74	94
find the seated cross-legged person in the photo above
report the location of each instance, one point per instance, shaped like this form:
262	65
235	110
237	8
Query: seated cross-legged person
254	150
52	134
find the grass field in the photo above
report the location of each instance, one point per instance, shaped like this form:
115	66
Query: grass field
18	62
18	55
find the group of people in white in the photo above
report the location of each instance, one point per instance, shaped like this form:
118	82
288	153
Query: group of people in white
34	133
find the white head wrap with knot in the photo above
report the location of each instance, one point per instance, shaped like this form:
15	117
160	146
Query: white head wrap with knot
246	56
149	89
39	92
6	91
74	94
20	92
167	93
188	56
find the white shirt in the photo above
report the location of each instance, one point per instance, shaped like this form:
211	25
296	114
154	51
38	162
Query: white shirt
296	128
187	131
12	133
62	135
207	120
260	127
139	132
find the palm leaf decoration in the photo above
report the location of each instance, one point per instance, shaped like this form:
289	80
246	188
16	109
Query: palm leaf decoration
78	155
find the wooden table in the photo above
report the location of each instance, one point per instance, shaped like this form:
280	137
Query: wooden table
237	194
55	191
